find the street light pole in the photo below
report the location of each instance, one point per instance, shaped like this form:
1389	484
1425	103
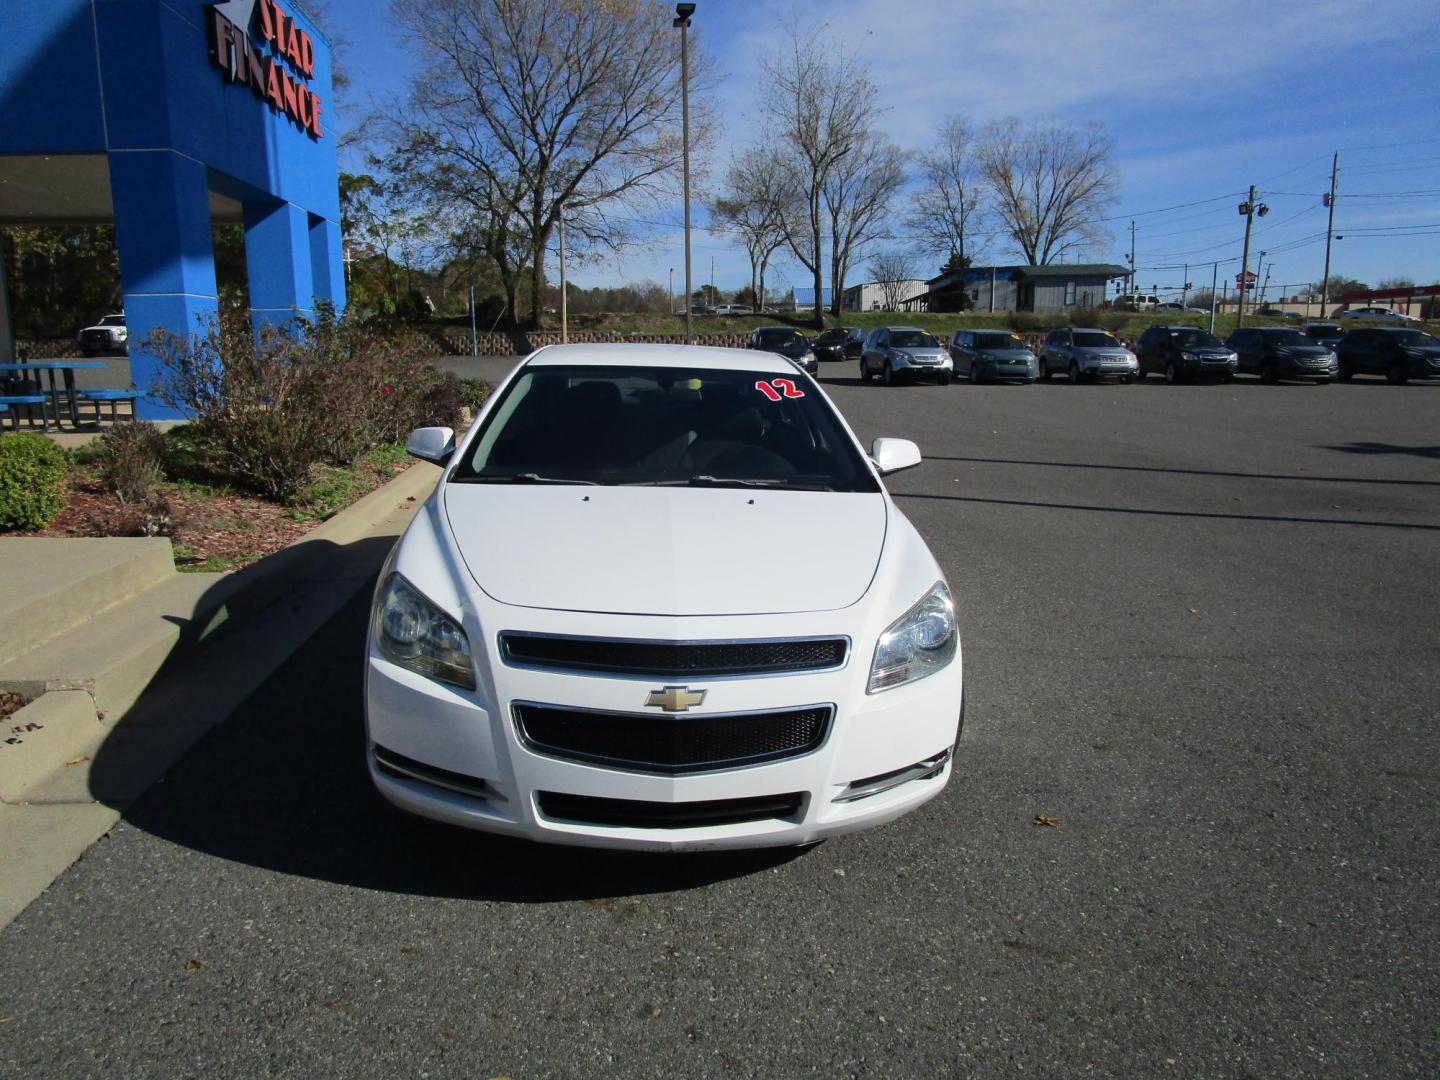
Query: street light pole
564	302
682	20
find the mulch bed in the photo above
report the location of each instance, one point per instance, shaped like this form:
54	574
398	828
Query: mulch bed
10	704
212	529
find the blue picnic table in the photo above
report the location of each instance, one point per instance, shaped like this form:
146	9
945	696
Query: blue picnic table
67	369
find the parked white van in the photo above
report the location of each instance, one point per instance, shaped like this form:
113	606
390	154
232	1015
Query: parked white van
1136	301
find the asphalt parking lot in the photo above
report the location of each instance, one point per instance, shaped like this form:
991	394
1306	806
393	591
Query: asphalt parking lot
1201	628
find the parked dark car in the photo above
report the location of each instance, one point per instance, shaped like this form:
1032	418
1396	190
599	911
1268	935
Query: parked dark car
988	355
904	354
1278	352
1397	353
1326	333
836	344
1182	353
788	342
1086	353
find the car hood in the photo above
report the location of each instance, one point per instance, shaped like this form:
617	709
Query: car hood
667	551
926	352
793	351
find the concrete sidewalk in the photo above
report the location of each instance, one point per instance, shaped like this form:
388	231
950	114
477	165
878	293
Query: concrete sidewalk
125	691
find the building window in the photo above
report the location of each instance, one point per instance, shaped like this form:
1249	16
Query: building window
1069	293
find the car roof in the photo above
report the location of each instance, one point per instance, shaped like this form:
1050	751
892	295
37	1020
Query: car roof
917	329
1086	330
677	356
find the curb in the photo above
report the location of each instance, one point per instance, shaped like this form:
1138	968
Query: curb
260	617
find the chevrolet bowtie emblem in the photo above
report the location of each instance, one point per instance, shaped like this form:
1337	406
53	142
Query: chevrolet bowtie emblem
674	698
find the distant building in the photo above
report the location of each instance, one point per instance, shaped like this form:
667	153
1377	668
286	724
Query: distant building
1055	287
875	295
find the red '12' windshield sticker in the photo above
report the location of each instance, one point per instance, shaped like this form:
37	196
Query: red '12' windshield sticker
786	388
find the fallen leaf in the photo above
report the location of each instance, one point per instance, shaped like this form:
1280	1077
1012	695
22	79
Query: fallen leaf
78	761
6	1019
453	1036
1191	610
1047	822
193	965
839	872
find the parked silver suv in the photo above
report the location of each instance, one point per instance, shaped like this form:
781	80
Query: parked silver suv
1084	353
905	353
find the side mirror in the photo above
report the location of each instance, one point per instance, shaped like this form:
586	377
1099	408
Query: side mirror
892	455
432	444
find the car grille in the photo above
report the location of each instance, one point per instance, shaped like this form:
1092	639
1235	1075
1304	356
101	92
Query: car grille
633	813
672	744
674	659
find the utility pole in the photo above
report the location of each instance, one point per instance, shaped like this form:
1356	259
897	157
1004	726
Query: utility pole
1264	284
1131	286
672	290
1259	265
564	304
1329	235
1214	272
1248	209
1184	284
712	298
682	20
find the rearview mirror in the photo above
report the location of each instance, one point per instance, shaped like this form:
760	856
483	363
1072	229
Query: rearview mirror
432	444
892	455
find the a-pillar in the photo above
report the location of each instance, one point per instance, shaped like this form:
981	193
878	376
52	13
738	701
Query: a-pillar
277	262
167	260
327	265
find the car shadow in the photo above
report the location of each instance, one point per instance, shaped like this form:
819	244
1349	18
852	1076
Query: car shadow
1432	452
282	785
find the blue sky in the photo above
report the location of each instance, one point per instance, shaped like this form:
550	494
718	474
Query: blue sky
1202	100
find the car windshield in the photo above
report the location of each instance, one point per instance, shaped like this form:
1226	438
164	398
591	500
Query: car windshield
664	426
913	339
1325	331
1285	337
998	341
1414	337
830	337
112	320
1092	339
770	339
1196	339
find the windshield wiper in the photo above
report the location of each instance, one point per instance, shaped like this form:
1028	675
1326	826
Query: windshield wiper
706	480
525	478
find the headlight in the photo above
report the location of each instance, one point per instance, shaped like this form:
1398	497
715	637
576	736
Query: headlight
808	358
919	643
1187	356
414	633
1234	357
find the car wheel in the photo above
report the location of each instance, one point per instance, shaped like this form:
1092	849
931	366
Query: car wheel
1228	377
888	378
974	374
865	375
1044	371
1268	374
1074	372
1172	375
1344	373
1127	379
1140	370
943	379
1396	374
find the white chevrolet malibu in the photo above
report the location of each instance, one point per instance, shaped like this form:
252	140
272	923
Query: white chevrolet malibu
598	630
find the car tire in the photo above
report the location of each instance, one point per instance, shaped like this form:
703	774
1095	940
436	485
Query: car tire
1044	371
1140	371
865	375
974	374
1268	374
1344	373
888	376
943	380
1172	373
1396	375
1127	379
1073	372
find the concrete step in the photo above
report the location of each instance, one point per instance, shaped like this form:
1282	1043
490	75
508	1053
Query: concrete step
113	659
49	586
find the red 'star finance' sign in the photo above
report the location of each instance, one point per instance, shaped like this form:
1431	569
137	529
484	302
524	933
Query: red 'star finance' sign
237	54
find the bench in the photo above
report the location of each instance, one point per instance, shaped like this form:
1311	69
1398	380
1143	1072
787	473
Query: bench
114	397
26	399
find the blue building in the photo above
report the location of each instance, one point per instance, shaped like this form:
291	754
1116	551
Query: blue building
164	118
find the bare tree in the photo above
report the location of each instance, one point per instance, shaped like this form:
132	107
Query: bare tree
551	103
948	210
1049	185
891	270
753	206
857	196
820	105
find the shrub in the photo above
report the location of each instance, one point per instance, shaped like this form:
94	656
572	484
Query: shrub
130	460
442	405
32	481
474	392
1114	321
1026	322
311	392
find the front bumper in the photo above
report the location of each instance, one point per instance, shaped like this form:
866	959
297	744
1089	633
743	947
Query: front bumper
457	756
1292	368
1095	369
1200	368
911	369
